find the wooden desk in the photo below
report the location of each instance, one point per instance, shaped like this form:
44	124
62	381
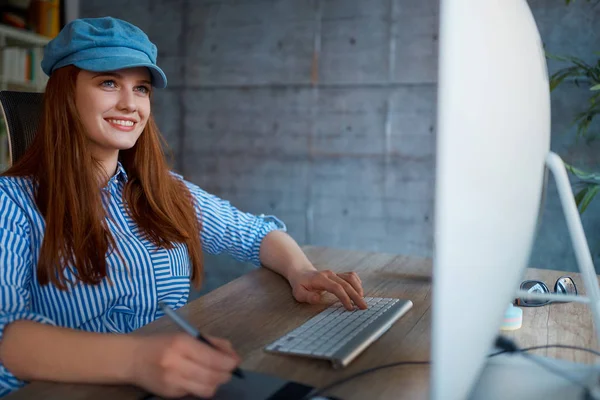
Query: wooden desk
257	308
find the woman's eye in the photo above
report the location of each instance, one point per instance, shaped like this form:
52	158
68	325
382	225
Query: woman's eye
108	83
143	89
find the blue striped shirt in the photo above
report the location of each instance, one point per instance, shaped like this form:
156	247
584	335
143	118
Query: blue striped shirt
149	275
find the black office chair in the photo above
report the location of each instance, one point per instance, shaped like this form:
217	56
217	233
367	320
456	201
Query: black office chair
21	111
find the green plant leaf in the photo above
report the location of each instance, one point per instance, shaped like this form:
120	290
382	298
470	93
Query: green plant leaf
572	59
554	82
579	68
581	64
556	57
583	175
585	118
595	87
560	75
579	196
588	197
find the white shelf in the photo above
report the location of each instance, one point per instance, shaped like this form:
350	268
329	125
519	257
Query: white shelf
23	37
25	86
14	37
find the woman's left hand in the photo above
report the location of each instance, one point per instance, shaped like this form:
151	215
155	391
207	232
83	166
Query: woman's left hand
309	285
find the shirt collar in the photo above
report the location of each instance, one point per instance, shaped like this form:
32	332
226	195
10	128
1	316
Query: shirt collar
120	174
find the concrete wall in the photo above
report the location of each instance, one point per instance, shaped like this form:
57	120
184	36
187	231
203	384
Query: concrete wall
323	113
572	30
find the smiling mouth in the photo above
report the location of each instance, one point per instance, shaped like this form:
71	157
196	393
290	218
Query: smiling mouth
121	124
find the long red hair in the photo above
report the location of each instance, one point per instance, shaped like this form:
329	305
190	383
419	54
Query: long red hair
68	196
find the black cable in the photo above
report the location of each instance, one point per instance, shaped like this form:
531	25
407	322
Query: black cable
507	346
322	390
548	346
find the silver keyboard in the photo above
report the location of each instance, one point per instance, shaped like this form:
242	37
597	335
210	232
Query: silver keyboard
339	335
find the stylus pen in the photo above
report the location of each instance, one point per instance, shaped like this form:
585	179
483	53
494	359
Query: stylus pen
183	324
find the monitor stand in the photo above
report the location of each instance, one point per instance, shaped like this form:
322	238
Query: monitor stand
513	376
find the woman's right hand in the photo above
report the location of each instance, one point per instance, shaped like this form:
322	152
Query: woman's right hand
178	365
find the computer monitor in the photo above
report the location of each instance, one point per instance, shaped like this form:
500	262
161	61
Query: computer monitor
493	137
493	148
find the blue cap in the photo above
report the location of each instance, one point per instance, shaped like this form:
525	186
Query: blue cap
101	45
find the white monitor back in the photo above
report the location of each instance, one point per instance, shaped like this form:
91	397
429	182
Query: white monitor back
492	140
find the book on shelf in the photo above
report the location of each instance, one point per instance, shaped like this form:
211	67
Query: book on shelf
46	17
22	65
39	16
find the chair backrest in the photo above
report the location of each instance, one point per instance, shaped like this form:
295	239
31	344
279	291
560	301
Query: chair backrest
21	111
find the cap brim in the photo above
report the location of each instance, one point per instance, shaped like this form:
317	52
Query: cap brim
114	63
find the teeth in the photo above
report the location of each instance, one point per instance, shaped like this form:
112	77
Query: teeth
121	122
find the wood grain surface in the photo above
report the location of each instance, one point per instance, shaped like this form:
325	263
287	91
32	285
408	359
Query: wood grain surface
257	308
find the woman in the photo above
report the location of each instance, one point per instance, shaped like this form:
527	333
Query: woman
95	231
